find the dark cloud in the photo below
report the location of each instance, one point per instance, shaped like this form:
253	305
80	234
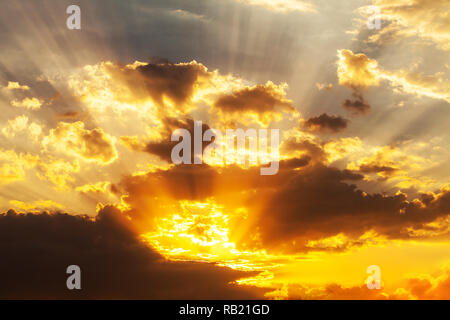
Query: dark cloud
260	99
69	115
313	150
326	123
335	292
36	249
358	106
320	201
98	145
163	148
416	288
295	162
375	168
158	193
306	200
164	79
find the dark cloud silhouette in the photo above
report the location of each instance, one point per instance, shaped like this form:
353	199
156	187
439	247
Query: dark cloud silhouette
305	201
163	148
326	123
36	249
358	106
375	168
321	201
163	79
260	99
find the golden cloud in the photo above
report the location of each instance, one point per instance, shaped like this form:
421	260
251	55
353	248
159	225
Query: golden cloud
423	19
13	166
90	145
29	103
359	71
263	101
57	171
99	187
16	86
36	205
20	124
356	70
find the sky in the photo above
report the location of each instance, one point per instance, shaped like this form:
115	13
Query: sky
87	177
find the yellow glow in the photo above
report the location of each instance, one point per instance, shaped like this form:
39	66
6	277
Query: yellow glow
200	231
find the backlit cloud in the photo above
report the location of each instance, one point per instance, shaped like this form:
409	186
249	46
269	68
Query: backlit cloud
29	103
359	71
422	19
74	139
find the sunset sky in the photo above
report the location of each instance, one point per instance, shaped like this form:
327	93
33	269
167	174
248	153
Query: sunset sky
86	175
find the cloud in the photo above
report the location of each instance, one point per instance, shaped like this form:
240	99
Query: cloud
20	124
146	93
394	163
99	187
69	115
114	263
302	216
314	150
174	81
423	287
260	99
16	86
324	86
341	148
29	103
39	204
332	292
357	106
57	171
433	86
90	145
13	166
430	288
342	242
422	19
380	163
357	71
163	147
282	5
326	123
293	207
